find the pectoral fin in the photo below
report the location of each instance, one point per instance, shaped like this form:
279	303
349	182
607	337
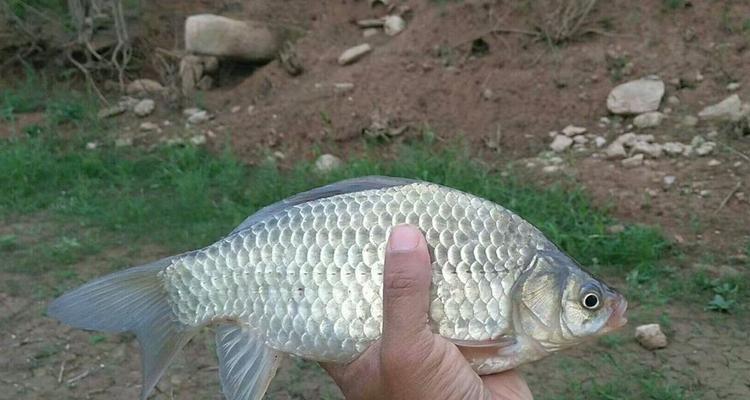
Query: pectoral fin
246	364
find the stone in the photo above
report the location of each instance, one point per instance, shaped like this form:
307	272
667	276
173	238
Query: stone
616	229
729	109
714	163
673	100
353	54
223	37
370	32
580	139
702	147
191	71
198	140
600	141
111	111
144	107
690	120
550	169
393	25
651	337
190	111
210	63
615	150
371	23
668	181
636	97
654	150
235	109
91	145
673	148
572	130
206	83
144	86
123	142
561	143
634	161
199	117
327	163
343	87
733	86
149	126
488	94
250	109
648	120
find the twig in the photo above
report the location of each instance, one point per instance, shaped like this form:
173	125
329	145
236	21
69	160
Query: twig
62	371
739	153
729	196
78	377
512	30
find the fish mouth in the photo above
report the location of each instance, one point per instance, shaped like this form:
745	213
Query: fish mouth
617	319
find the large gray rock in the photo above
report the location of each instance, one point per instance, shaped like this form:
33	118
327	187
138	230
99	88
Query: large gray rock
636	97
218	36
728	109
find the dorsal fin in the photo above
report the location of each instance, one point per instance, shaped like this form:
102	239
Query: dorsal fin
334	189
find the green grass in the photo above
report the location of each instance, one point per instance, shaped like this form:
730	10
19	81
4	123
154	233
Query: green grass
185	198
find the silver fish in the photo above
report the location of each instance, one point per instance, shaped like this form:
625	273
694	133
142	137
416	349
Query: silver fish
304	277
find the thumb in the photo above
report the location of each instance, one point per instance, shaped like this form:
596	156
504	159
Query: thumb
406	286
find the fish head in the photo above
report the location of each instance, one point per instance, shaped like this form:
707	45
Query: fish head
558	304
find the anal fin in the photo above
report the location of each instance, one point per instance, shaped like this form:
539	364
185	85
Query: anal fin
246	364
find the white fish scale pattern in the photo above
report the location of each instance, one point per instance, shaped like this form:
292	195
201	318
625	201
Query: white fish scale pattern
309	279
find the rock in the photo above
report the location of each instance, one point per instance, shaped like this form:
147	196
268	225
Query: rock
149	126
327	163
652	149
690	120
616	229
733	86
704	193
210	63
111	111
728	109
206	83
600	141
702	147
650	336
199	117
143	86
393	25
714	163
615	150
488	94
250	109
235	109
551	169
144	107
668	181
343	87
572	130
634	161
191	71
673	100
371	23
123	142
673	148
648	120
198	140
580	139
190	111
213	35
91	145
353	54
370	32
561	143
636	97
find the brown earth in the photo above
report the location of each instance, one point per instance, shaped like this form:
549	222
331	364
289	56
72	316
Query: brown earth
427	78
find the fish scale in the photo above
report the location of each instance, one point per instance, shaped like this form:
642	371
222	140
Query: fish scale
308	279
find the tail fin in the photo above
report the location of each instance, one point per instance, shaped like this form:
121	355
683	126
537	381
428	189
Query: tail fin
132	300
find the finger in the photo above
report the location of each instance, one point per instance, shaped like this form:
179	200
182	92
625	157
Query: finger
508	385
406	286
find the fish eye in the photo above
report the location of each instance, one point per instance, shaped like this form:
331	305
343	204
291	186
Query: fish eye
590	301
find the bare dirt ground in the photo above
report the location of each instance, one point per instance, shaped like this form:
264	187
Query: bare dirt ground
427	78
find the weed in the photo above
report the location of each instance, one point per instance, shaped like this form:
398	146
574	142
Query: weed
8	243
673	4
96	338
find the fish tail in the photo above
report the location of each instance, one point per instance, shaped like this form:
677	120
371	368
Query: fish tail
133	300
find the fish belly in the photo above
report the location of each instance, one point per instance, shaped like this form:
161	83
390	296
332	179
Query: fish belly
308	280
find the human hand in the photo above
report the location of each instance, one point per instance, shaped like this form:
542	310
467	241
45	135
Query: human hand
410	361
